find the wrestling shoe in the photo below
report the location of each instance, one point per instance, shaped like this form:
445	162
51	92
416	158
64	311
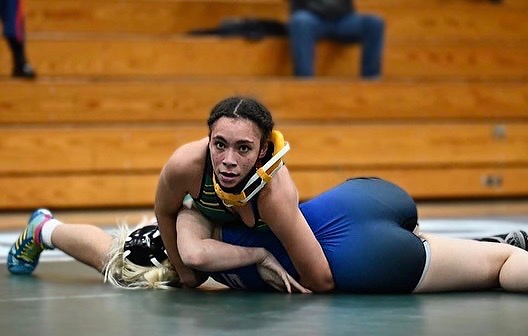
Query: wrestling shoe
24	254
517	238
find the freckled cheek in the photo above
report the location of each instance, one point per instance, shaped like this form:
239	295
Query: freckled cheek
217	160
245	166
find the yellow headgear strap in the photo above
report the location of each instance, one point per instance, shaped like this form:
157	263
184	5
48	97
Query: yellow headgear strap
264	174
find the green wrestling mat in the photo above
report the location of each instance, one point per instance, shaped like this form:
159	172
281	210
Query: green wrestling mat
67	298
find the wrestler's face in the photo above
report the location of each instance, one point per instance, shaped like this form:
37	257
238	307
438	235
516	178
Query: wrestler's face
235	148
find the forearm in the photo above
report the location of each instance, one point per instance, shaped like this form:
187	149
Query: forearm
167	228
209	255
188	276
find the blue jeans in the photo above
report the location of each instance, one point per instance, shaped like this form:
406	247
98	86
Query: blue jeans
306	28
9	13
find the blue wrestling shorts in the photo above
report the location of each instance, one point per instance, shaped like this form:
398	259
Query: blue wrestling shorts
365	229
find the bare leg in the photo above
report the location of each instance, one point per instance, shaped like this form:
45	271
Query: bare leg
86	243
459	264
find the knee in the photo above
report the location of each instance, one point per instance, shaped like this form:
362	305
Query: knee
302	20
374	25
512	273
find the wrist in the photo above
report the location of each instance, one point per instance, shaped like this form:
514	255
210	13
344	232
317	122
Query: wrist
261	254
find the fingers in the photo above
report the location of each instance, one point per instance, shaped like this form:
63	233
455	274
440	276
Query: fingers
298	286
276	276
289	281
285	280
288	284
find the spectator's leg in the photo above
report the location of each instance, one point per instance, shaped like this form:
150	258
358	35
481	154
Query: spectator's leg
369	30
14	31
373	41
305	28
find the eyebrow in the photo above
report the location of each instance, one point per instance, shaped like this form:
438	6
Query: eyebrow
239	142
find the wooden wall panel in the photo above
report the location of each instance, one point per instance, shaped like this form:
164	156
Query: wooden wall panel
129	149
137	190
190	101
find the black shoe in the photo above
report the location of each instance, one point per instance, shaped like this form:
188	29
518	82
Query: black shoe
25	71
501	239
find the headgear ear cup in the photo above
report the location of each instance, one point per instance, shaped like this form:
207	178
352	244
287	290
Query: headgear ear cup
144	247
278	144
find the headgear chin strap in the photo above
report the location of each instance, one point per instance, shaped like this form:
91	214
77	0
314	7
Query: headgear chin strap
262	176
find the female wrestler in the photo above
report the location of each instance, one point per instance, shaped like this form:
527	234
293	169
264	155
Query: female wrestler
227	177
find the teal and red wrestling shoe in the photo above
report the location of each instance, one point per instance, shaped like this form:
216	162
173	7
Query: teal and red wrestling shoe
24	254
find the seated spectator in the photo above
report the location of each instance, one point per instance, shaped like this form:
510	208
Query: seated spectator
337	20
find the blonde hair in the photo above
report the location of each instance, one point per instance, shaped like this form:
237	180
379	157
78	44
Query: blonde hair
123	273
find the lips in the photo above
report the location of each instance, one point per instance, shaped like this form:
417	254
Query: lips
227	178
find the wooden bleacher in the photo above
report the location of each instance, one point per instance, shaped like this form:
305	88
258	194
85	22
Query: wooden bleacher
118	57
437	39
407	19
118	93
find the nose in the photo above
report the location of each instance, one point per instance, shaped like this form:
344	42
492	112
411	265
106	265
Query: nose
229	158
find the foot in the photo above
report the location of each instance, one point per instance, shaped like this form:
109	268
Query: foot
24	71
24	254
518	238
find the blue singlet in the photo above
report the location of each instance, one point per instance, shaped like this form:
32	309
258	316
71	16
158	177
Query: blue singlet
364	226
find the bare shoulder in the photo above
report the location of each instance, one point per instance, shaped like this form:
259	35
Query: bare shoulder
189	155
278	193
187	163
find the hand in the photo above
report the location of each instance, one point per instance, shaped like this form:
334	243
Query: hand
192	278
276	276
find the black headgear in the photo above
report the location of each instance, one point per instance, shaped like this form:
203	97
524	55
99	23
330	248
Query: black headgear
144	247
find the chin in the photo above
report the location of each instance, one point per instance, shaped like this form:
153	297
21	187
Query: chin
229	186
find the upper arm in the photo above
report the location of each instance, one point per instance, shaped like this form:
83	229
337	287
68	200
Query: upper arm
181	175
170	193
280	210
175	181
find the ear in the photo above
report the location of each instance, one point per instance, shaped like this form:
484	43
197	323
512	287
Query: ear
263	150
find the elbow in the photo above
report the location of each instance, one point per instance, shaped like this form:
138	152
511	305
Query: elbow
327	286
194	258
322	285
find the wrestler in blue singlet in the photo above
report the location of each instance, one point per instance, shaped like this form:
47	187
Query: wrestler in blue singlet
364	227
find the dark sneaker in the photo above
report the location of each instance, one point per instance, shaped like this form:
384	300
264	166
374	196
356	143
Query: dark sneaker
25	71
518	238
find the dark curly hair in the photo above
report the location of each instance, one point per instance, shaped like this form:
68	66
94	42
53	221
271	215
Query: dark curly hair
243	107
